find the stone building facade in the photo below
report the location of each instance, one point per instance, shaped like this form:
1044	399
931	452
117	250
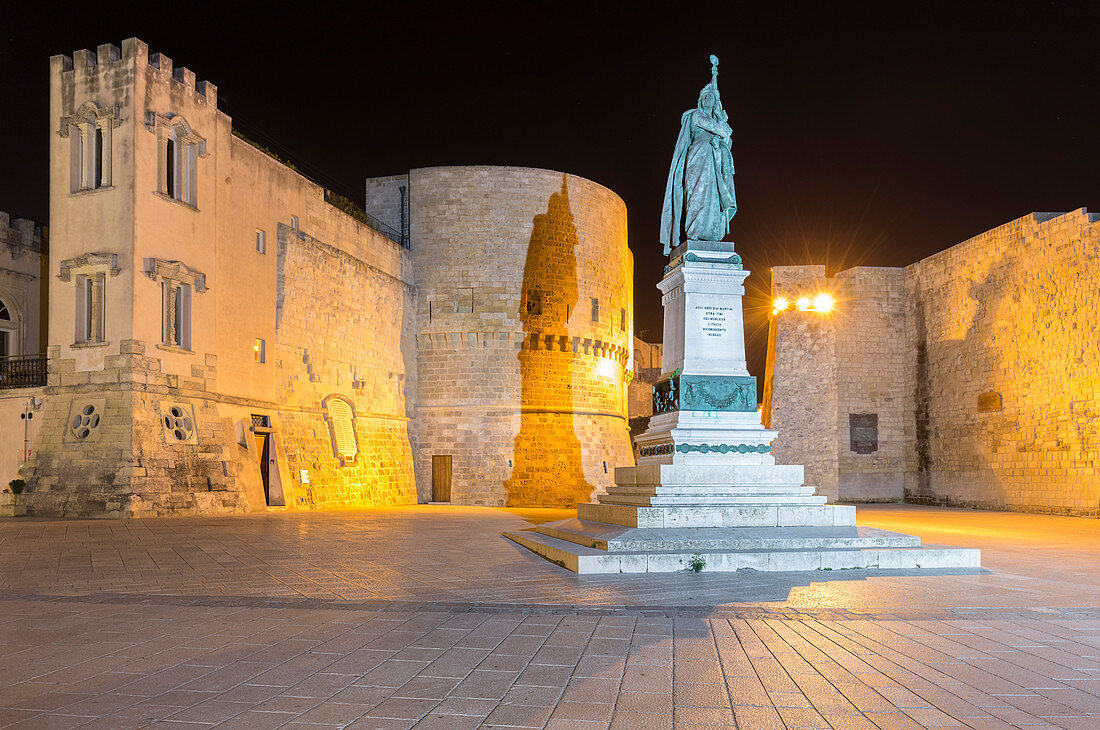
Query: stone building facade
969	378
24	259
224	339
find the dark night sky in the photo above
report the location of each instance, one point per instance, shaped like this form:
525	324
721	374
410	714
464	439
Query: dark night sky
863	133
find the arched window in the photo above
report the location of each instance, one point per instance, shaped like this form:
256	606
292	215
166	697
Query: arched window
180	148
7	333
89	129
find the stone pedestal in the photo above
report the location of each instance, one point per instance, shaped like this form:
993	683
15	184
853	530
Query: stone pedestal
706	483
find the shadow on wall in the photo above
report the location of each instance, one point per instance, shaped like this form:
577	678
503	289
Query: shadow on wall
1007	349
547	470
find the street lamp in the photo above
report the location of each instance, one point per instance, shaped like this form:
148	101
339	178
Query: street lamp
27	415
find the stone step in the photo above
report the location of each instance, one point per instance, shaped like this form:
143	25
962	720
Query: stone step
615	538
710	500
587	560
695	491
717	475
761	515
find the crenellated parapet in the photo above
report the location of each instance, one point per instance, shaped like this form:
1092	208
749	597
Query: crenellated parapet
134	52
22	233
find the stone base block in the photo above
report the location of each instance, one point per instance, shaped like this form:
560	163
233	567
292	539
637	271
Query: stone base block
13	510
711	515
667	551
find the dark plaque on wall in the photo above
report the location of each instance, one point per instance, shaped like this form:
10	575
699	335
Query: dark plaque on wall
989	402
863	430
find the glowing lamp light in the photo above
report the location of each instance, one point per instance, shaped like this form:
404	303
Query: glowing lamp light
606	369
803	304
781	304
823	303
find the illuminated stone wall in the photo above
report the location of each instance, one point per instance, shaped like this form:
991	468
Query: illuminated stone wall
978	363
307	325
329	298
349	344
800	389
1004	330
517	382
873	362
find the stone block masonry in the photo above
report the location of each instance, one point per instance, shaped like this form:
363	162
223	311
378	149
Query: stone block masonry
223	339
978	363
348	345
524	329
800	376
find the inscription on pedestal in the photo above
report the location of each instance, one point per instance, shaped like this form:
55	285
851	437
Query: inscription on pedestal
714	319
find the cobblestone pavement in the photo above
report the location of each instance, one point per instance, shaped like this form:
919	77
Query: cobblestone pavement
426	617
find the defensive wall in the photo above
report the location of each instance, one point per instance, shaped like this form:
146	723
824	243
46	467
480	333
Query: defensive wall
524	327
969	378
223	339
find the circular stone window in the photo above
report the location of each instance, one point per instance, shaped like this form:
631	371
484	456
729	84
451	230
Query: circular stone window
179	423
84	422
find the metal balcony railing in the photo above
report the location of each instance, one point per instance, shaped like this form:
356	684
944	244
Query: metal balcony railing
22	371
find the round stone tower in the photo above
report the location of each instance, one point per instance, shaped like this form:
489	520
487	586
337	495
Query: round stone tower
524	324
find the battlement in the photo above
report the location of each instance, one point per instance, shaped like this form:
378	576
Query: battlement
20	232
136	52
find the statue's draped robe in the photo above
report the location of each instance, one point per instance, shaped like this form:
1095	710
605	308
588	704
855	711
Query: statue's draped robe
699	197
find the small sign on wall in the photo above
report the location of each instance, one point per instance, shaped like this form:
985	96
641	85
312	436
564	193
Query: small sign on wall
303	475
863	432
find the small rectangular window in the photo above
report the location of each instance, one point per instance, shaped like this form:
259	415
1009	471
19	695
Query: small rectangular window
98	157
595	309
176	314
89	308
533	303
258	350
172	189
76	159
464	302
294	222
261	240
190	164
622	319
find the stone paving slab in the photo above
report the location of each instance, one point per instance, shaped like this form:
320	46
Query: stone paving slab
426	617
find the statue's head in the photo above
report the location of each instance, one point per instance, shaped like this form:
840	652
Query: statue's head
709	101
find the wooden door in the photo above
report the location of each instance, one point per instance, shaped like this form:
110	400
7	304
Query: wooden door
441	478
263	449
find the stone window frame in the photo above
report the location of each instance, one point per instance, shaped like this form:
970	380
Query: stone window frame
11	324
339	430
177	282
179	148
179	426
261	241
595	314
89	273
533	300
90	131
259	350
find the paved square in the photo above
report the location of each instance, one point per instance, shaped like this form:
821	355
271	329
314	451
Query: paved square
426	617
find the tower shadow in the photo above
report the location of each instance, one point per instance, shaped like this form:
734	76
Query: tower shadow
547	469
